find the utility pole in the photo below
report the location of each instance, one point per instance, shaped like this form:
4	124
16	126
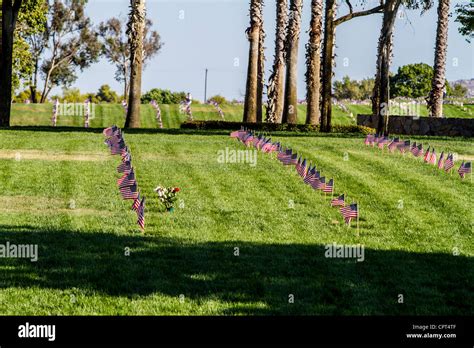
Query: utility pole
205	88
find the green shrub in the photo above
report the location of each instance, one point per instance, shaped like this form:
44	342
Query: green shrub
270	127
163	96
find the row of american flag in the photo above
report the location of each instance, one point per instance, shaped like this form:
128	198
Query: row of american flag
444	161
127	184
308	173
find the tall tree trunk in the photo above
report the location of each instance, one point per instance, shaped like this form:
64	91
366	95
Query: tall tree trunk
383	68
435	98
261	71
9	18
275	88
313	63
135	32
328	52
253	35
290	110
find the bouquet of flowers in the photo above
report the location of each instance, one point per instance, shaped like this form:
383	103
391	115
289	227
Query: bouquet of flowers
167	196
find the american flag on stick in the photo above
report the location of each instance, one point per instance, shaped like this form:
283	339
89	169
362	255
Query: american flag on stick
350	212
129	192
314	180
111	131
414	149
302	169
141	214
382	142
136	203
393	145
369	139
309	175
329	188
464	169
403	146
338	201
441	160
419	153
433	157
127	179
426	158
321	184
449	163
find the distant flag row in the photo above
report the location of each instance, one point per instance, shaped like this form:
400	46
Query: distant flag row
218	108
309	173
125	107
155	106
87	112
54	118
444	162
127	184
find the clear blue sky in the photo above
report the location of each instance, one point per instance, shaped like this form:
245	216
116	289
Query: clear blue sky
210	33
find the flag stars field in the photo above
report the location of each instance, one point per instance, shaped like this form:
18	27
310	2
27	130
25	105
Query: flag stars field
226	205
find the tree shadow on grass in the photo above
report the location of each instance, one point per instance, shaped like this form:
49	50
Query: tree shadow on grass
262	274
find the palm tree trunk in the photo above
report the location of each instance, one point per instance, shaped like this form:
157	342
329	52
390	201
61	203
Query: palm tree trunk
290	110
275	88
253	35
261	71
9	18
435	98
328	52
383	66
313	63
135	31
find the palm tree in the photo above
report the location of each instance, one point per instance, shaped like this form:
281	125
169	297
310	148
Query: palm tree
292	41
135	32
261	70
330	24
10	10
381	93
275	88
438	84
313	62
253	35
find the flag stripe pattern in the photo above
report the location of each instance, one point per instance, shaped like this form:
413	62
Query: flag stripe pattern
127	183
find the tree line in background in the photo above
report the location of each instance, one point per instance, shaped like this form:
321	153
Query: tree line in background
320	61
56	39
51	41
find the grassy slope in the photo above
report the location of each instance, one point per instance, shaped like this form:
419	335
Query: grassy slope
107	114
73	211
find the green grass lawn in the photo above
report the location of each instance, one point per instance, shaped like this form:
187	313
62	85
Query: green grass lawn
107	114
59	191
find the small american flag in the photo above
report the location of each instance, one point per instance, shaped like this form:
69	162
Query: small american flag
141	214
136	203
393	145
426	158
449	163
110	131
338	201
125	167
129	192
433	157
350	212
420	151
464	169
309	175
294	159
382	142
329	188
403	146
414	149
127	180
314	180
321	184
441	160
369	139
302	170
